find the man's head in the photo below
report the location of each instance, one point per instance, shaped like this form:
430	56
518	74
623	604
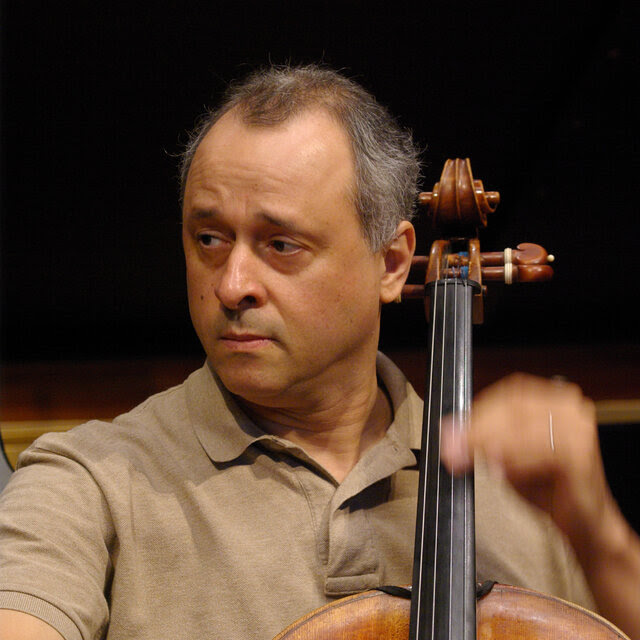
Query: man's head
284	287
385	157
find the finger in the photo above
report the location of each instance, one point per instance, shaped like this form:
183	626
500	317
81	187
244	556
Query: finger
515	422
455	452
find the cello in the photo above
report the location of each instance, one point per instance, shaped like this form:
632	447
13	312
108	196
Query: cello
444	602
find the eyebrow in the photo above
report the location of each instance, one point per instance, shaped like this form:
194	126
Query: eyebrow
283	223
201	214
270	218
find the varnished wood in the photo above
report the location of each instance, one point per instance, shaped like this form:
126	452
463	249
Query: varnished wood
530	263
520	614
372	615
525	253
506	613
458	201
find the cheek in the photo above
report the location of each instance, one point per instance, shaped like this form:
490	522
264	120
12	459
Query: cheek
195	292
201	296
332	309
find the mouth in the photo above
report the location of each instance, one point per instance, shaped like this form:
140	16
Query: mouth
244	341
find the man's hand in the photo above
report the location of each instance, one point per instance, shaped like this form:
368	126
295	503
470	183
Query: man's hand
542	436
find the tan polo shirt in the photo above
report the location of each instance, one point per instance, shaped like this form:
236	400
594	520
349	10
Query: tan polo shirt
182	519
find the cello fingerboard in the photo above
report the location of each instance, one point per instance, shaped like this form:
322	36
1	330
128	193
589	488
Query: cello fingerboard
443	605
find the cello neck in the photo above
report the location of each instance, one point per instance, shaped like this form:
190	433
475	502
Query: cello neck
443	602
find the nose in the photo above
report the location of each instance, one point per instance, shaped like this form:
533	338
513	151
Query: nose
240	284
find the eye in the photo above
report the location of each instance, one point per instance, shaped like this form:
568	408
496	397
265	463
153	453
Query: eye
283	247
209	240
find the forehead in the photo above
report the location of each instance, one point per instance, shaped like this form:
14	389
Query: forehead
308	152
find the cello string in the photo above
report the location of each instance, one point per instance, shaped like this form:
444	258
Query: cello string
442	371
437	453
464	427
454	427
420	564
459	422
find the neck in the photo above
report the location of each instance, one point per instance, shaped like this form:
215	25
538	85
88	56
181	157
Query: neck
335	434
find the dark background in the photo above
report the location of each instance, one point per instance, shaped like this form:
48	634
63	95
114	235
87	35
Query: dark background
96	98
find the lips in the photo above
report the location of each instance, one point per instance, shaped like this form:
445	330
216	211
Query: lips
243	337
244	341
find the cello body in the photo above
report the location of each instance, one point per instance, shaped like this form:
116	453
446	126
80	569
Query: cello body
506	613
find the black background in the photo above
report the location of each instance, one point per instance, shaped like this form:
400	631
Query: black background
96	98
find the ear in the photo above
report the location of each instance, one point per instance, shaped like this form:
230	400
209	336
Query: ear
397	262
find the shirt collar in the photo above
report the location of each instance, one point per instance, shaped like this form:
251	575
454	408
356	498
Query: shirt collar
225	431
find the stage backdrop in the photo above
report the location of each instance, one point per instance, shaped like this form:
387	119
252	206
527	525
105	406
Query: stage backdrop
96	98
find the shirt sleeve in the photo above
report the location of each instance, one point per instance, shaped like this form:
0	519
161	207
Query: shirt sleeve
518	544
56	536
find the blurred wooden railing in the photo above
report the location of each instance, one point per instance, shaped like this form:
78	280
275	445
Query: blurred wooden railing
51	396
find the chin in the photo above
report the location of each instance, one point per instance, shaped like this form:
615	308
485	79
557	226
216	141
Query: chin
252	386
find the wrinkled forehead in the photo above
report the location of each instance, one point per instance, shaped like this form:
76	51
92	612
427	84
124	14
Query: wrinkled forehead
304	151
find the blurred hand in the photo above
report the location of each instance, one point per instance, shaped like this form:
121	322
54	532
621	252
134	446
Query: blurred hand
542	436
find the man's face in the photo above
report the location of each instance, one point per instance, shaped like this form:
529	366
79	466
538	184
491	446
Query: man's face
284	291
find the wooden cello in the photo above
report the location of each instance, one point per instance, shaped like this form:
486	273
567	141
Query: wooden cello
445	603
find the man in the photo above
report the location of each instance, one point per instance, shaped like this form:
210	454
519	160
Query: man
280	476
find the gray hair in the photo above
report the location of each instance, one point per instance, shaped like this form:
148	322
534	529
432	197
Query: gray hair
387	167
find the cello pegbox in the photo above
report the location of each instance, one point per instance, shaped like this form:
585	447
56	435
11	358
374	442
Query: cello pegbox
527	263
443	263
